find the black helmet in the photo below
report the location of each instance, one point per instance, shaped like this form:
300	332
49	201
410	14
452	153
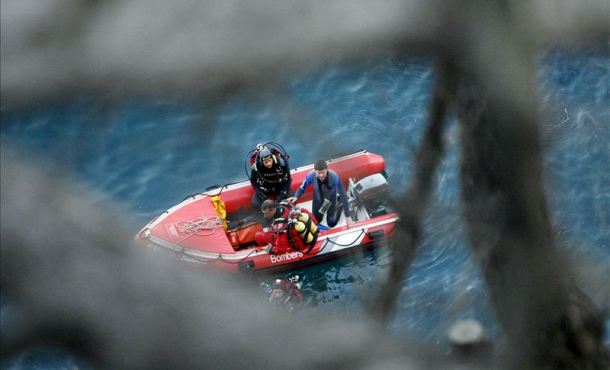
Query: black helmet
265	153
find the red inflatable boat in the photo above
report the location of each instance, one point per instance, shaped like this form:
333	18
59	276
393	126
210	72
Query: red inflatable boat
194	232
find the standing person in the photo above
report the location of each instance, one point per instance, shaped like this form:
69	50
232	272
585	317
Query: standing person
328	194
269	176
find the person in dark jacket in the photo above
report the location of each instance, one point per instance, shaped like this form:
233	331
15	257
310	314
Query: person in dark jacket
269	176
328	194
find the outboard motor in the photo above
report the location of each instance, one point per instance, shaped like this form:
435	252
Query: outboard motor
371	192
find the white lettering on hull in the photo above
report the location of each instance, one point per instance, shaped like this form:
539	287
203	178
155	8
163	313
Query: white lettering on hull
285	257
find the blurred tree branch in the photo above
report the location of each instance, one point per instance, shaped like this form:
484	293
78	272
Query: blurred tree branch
67	48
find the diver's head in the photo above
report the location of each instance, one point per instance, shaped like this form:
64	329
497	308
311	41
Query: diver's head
277	292
268	208
266	157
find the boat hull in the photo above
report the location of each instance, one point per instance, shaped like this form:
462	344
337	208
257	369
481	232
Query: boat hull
335	243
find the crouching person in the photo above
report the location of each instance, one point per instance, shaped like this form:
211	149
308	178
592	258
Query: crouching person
291	228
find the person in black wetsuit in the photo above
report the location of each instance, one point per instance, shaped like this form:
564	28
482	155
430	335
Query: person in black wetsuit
270	177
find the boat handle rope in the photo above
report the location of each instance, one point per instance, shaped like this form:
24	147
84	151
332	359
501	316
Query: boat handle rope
339	244
219	258
210	188
222	188
241	260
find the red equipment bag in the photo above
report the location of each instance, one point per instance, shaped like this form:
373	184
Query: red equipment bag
244	233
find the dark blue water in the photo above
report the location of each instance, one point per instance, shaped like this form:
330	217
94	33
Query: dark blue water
147	155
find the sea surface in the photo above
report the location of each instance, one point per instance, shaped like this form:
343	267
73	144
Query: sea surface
147	155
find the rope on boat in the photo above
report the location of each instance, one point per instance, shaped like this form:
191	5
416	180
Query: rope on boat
200	226
203	226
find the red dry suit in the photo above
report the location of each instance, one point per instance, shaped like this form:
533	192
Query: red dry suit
283	236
